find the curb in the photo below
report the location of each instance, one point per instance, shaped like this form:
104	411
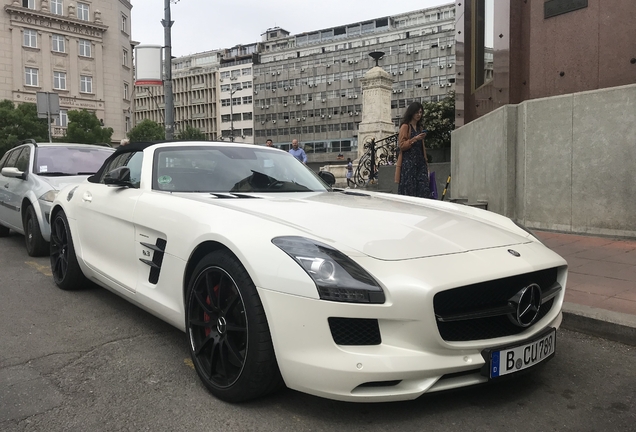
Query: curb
615	326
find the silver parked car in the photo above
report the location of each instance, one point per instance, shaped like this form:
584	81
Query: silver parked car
31	174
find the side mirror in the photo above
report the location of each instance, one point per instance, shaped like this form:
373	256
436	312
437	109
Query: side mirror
327	177
12	172
118	177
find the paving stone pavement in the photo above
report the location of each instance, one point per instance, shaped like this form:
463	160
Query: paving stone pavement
600	296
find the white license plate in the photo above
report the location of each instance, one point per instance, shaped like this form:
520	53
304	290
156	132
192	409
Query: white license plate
518	358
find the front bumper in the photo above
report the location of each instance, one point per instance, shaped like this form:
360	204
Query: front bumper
412	357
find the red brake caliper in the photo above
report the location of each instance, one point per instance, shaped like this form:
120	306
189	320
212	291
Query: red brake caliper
206	317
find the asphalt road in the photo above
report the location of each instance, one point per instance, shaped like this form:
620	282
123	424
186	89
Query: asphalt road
89	361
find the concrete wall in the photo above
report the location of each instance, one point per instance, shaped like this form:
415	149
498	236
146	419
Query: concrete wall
563	163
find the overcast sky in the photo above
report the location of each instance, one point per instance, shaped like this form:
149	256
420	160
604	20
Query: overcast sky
203	25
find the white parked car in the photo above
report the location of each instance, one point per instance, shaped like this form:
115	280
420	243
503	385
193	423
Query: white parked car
277	279
31	175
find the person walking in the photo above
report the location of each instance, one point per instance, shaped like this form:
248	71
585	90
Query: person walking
269	142
350	182
297	152
412	166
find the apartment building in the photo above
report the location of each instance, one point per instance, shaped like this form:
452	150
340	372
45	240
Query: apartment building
80	50
307	86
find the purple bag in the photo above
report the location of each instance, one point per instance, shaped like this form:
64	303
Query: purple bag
433	185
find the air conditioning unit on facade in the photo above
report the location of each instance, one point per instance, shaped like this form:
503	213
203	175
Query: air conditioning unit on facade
266	106
274	121
324	100
329	116
449	45
408	53
262	122
286	120
274	90
441	66
450	65
328	82
355	61
426	87
393	73
441	85
350	80
417	51
322	116
401	73
273	73
304	118
416	70
350	114
355	96
285	104
449	84
302	69
328	66
297	118
400	91
255	91
297	103
262	107
357	113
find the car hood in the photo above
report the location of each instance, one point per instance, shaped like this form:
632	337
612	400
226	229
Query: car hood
58	183
378	226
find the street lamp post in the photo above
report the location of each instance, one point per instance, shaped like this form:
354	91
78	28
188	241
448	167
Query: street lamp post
167	65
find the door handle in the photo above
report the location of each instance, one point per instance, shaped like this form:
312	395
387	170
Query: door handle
87	197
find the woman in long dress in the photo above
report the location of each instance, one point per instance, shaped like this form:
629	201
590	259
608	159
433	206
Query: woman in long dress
412	163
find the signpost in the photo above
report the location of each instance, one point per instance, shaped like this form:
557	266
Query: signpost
48	105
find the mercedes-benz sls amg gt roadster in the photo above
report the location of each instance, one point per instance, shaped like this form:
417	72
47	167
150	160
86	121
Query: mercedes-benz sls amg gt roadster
279	279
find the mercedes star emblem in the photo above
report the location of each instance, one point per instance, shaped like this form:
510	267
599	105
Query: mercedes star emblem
514	253
527	303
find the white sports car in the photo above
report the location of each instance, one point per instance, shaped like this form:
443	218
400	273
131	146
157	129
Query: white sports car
277	279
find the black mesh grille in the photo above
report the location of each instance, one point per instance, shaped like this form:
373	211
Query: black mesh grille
485	295
354	331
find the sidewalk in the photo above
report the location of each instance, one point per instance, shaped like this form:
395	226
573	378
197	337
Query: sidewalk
600	296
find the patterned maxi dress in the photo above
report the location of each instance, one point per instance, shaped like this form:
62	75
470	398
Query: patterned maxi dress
414	173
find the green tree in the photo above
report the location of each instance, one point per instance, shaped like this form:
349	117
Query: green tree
439	121
84	127
18	123
146	131
191	134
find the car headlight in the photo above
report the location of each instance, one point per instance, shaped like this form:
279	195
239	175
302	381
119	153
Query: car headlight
49	196
337	277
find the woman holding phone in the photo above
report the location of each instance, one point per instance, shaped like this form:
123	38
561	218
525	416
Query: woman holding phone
412	167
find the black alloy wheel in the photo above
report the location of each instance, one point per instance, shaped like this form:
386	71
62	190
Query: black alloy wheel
35	243
228	334
67	273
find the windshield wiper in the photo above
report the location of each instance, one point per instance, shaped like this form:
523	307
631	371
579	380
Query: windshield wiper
55	174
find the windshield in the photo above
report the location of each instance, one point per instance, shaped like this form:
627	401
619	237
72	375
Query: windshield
231	169
60	160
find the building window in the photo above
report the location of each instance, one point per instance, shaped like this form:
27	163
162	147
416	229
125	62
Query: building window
59	80
125	57
247	116
247	100
30	38
236	101
225	118
248	132
86	84
126	91
124	23
85	48
246	71
225	102
31	77
127	123
483	37
57	7
28	4
62	119
83	11
59	43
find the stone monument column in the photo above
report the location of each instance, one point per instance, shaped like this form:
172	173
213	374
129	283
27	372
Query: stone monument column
376	107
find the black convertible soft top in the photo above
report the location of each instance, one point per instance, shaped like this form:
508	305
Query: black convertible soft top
128	148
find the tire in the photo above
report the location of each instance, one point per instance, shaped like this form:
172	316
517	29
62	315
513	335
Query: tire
228	335
4	231
35	244
67	273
